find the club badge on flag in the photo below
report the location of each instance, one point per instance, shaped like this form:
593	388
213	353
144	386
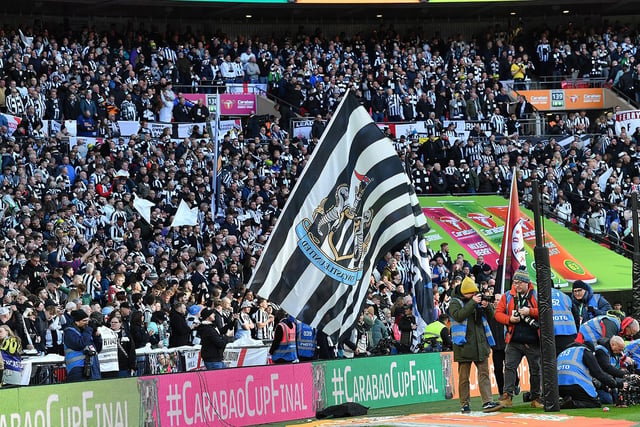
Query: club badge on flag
352	203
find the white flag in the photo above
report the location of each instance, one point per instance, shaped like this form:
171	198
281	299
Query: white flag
143	206
185	215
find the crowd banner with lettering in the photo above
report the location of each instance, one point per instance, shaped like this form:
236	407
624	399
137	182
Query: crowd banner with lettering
565	99
474	225
379	382
629	120
241	397
419	128
452	379
302	128
87	403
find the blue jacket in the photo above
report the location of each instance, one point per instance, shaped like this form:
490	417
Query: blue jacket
75	341
572	370
580	308
563	322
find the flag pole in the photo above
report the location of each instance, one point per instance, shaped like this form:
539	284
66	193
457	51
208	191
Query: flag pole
214	133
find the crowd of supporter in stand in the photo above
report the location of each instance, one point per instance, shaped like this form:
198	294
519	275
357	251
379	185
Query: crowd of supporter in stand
71	238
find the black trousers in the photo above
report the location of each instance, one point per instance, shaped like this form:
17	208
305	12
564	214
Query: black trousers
580	397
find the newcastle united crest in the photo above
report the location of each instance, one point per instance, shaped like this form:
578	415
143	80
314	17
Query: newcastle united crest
337	236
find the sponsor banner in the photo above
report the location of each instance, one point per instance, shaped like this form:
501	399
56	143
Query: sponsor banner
562	262
610	270
453	379
237	104
242	397
464	234
87	403
379	382
565	99
245	356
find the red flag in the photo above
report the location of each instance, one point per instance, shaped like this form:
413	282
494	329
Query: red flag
512	252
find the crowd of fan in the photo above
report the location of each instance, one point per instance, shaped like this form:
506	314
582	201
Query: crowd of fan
71	238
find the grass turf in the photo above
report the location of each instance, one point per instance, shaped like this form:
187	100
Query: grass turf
630	414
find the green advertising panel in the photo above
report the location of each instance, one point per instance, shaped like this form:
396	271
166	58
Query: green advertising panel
380	382
89	403
474	225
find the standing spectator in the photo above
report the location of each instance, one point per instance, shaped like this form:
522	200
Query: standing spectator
180	331
81	348
212	341
126	348
10	349
472	341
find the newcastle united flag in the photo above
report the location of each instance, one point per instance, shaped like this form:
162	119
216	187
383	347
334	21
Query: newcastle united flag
352	204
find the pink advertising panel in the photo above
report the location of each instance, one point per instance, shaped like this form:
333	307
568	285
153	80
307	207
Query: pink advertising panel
237	104
239	397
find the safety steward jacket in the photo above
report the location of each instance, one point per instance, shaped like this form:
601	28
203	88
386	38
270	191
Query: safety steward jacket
572	371
286	350
563	322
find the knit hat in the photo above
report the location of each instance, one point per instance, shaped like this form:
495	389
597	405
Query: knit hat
79	315
521	275
5	310
468	286
370	311
579	284
205	313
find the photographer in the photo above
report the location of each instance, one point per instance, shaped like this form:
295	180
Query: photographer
608	353
518	310
81	348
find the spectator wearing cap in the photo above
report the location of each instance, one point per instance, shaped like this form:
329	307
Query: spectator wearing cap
407	325
212	341
472	341
245	325
585	304
518	311
81	347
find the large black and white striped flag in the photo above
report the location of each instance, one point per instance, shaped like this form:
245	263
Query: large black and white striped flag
351	205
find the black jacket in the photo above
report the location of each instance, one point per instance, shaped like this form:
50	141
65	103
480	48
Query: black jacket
180	331
212	342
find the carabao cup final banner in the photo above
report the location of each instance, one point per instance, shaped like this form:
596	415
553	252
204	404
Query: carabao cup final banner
474	225
379	382
238	397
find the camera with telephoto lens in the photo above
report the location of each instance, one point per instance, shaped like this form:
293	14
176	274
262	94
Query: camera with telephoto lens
527	319
631	395
488	298
89	351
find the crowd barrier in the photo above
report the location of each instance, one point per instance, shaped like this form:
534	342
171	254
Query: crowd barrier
241	397
50	369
